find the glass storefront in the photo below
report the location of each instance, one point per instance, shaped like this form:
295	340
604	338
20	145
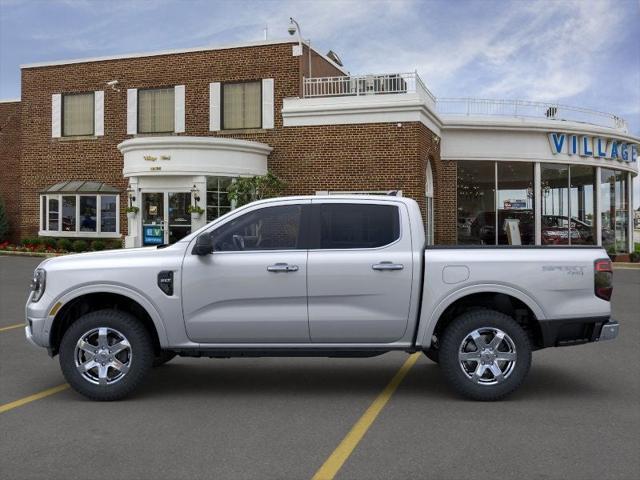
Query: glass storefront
217	202
614	210
496	205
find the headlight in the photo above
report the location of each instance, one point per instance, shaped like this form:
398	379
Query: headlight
38	284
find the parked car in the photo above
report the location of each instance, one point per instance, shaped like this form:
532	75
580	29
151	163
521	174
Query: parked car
345	276
555	231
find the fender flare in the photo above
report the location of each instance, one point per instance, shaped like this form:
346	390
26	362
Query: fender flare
427	328
136	296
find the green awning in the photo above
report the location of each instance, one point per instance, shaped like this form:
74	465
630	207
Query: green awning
81	186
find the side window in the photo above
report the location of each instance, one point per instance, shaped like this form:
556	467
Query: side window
270	228
344	225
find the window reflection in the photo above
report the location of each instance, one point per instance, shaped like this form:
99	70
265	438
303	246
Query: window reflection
516	224
476	203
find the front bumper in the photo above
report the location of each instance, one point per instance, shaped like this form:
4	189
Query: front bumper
576	331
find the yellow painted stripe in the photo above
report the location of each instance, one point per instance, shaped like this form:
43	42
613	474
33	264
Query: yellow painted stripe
32	398
340	455
11	327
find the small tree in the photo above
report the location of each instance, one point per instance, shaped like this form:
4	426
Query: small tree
247	189
4	222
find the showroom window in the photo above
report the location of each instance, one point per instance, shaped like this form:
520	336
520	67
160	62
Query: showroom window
476	203
78	114
516	225
218	202
241	105
614	210
156	110
72	209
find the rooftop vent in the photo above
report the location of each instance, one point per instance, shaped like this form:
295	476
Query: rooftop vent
333	56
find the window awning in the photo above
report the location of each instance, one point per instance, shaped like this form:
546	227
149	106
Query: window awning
81	186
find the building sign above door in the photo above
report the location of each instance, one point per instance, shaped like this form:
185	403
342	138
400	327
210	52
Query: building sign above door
597	147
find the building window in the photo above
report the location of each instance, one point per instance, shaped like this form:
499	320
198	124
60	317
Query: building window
217	201
241	105
614	210
78	114
75	215
582	204
156	110
516	224
554	180
476	203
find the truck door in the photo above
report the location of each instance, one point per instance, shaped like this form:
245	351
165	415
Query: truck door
359	271
253	288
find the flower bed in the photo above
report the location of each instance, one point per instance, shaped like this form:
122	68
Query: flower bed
53	246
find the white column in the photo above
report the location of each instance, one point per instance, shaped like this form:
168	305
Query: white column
537	205
200	182
134	237
630	211
598	208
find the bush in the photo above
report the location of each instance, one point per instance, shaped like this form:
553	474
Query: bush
114	244
65	244
29	241
4	222
80	246
634	257
97	245
48	242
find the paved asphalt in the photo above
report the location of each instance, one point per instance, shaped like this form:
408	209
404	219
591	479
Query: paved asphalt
577	416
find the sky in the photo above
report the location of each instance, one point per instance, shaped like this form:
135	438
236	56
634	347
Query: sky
584	53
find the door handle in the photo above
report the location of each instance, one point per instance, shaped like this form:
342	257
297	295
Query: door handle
282	267
387	266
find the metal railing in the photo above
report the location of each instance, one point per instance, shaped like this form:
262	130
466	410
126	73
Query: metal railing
528	109
357	85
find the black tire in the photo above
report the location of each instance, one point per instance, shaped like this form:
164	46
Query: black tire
139	362
164	357
432	354
457	373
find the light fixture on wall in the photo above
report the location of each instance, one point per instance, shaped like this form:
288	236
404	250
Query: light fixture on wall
196	194
132	195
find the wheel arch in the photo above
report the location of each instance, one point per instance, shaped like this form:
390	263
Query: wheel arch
97	297
502	298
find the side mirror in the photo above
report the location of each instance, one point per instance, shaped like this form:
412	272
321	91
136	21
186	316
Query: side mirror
204	245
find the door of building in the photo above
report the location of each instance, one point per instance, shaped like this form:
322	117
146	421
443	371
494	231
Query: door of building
164	217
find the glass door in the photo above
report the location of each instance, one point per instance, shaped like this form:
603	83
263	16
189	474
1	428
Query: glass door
179	219
153	215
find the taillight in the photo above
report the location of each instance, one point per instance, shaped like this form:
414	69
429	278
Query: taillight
603	278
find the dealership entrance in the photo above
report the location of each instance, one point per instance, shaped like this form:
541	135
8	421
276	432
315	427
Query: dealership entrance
165	218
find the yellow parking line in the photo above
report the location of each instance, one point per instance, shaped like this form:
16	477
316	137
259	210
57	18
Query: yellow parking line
32	398
11	327
332	465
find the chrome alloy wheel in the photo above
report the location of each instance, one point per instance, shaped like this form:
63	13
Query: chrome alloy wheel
487	356
103	356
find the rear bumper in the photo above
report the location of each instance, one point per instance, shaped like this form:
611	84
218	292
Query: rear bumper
576	331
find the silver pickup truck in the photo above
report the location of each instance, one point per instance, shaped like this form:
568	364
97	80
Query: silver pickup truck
336	276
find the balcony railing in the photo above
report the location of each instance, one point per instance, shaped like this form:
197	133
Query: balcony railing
399	83
528	109
357	85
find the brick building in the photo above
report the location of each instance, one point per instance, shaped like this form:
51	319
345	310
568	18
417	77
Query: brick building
165	130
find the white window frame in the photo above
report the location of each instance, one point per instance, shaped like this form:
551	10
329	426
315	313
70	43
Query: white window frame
78	233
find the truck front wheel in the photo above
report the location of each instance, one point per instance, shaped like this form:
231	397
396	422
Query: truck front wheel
106	354
485	355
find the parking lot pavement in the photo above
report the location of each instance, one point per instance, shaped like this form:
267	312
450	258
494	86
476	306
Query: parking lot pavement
577	416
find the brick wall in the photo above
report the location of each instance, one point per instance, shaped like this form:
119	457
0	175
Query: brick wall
340	157
10	161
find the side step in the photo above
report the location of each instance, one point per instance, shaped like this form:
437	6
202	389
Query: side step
278	352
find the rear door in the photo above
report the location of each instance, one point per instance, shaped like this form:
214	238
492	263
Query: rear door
359	271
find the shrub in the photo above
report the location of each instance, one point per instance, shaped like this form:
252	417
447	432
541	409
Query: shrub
634	257
65	244
97	245
114	244
80	246
29	241
48	242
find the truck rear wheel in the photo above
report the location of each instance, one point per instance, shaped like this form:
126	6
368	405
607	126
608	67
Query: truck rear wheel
485	355
105	355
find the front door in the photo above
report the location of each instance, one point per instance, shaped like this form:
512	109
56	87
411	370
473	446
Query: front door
164	217
360	272
253	288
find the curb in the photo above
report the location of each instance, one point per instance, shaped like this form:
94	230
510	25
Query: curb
626	265
30	254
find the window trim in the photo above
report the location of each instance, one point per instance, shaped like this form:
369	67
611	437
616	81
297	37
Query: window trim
138	109
93	116
78	233
222	87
